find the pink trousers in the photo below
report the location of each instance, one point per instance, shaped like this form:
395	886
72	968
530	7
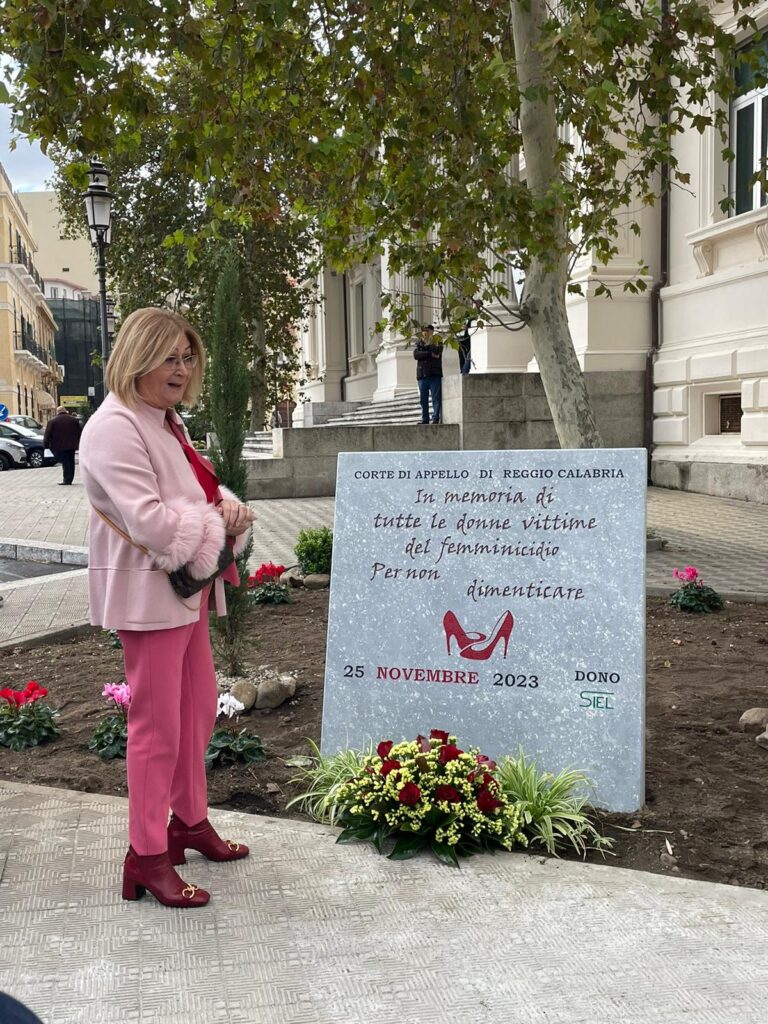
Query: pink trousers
170	720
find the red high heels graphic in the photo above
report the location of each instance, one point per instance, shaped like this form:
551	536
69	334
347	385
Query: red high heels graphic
474	645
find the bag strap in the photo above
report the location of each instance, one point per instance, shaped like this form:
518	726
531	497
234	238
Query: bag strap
117	529
141	547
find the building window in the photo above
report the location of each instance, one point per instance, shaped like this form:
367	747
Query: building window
749	133
730	414
54	293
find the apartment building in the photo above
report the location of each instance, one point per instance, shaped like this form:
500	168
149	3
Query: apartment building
29	373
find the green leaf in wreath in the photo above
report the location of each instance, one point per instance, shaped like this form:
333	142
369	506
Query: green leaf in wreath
434	817
445	853
407	846
365	829
379	836
348	835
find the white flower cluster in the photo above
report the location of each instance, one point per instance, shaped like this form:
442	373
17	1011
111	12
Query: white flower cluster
229	705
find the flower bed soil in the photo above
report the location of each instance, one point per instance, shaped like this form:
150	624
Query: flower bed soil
706	780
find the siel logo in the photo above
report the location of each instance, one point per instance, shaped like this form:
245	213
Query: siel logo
477	646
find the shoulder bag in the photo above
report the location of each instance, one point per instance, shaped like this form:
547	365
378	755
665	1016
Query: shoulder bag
183	583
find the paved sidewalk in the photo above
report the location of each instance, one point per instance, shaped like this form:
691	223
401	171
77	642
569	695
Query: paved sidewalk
726	539
35	509
307	932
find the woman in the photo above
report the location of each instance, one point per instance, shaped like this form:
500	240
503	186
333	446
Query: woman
156	505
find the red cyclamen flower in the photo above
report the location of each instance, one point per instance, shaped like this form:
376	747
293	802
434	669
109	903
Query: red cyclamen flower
410	794
32	692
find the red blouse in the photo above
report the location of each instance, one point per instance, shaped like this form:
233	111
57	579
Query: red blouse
201	467
206	477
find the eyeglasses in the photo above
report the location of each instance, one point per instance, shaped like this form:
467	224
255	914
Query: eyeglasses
174	362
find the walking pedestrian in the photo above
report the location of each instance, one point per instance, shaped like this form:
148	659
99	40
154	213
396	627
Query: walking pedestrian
62	436
428	353
156	507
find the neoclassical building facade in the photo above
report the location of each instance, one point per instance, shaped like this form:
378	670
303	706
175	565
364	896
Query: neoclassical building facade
699	331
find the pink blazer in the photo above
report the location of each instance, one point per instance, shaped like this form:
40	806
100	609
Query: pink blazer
136	473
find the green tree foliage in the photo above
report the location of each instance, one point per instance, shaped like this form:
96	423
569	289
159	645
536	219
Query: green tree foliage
455	129
166	230
153	208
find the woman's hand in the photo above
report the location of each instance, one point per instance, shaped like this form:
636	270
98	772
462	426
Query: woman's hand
237	517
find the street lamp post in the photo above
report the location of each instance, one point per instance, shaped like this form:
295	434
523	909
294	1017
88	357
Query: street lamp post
111	320
98	207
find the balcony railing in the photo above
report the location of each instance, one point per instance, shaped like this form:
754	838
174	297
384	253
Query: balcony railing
24	341
20	255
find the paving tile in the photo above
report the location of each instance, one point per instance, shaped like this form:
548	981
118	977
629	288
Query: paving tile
356	938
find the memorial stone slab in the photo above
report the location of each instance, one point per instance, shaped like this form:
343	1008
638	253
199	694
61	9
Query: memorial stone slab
499	595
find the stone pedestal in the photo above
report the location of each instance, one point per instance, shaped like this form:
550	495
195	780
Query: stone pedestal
497	350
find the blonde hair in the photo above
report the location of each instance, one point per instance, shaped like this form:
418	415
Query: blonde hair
146	338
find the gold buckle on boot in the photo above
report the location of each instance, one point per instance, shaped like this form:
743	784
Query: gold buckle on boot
234	847
189	891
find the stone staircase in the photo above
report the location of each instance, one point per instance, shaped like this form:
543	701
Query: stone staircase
258	445
402	411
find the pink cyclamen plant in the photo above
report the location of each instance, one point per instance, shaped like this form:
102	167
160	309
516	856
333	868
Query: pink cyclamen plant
120	693
690	574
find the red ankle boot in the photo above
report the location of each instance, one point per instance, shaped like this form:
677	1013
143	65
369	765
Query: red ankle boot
155	874
202	837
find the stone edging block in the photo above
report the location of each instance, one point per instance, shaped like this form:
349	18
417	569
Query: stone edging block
65	554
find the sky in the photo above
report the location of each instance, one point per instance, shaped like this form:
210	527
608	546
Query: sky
26	166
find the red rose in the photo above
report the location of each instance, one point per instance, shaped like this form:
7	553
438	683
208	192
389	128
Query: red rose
448	753
410	794
486	762
486	802
439	734
448	793
384	748
389	766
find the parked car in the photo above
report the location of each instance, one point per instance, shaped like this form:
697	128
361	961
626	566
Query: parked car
25	421
12	454
32	443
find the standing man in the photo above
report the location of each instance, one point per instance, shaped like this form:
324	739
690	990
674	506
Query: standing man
428	354
465	349
62	436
